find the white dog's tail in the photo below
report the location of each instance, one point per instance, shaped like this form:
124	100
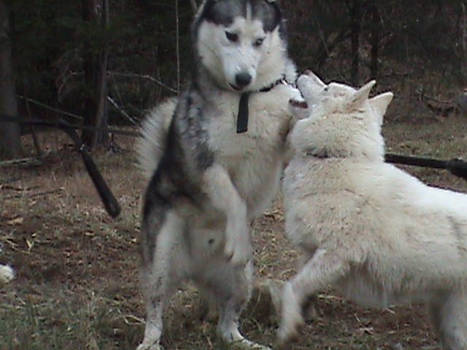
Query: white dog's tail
6	274
154	128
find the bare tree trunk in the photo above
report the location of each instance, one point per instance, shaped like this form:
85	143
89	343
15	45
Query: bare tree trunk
10	133
464	45
95	74
355	18
375	37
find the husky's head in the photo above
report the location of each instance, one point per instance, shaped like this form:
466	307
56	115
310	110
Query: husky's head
340	121
241	42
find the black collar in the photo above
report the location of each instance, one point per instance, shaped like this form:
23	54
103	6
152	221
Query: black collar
242	118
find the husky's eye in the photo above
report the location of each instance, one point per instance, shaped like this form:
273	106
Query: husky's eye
258	42
231	36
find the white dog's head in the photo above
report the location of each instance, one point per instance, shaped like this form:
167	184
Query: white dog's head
241	43
339	121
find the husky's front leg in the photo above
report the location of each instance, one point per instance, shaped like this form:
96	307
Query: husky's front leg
324	268
224	197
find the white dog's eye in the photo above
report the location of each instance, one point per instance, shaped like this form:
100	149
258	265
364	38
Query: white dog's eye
233	37
326	89
258	42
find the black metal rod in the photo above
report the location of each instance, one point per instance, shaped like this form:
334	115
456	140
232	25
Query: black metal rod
108	199
456	167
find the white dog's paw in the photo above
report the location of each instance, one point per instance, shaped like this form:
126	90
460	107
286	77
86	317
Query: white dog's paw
238	248
291	316
154	346
152	335
245	344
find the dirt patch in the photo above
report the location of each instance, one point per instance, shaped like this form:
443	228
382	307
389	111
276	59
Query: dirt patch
77	269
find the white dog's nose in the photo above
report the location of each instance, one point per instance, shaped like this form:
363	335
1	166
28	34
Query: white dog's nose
242	79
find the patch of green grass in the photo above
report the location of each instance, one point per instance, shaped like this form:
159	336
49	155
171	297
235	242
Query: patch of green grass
61	319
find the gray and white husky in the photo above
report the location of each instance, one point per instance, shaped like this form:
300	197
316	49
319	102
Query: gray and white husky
214	157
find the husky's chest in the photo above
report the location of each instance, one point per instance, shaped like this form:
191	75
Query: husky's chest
268	124
254	159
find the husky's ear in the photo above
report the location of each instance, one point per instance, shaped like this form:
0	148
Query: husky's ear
380	104
361	95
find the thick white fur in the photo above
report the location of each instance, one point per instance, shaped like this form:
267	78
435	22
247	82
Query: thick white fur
373	231
150	146
6	274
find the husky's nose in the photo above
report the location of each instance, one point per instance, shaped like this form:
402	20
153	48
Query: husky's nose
242	79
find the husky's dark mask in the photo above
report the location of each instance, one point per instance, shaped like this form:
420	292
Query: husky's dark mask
223	12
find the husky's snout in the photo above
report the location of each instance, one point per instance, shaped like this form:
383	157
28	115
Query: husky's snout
243	79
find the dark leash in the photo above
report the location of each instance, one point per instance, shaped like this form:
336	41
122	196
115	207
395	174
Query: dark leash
455	166
108	199
243	108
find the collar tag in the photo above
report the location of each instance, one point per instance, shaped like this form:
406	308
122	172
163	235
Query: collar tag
242	118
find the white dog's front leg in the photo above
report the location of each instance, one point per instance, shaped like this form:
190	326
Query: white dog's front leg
224	197
324	268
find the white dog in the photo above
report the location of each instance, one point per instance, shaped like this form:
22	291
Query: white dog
377	234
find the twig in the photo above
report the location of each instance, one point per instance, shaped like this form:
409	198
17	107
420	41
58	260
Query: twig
145	76
177	41
117	107
22	161
19	189
33	131
51	108
194	6
61	124
33	195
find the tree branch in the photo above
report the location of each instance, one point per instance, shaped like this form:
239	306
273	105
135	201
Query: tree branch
145	76
194	5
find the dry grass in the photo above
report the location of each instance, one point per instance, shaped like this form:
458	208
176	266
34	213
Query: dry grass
77	280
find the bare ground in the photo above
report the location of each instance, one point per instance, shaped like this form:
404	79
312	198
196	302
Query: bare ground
77	269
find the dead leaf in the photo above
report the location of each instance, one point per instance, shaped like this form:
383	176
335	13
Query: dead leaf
16	221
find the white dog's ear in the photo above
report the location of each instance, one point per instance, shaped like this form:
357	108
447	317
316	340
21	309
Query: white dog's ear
309	85
380	104
361	95
316	80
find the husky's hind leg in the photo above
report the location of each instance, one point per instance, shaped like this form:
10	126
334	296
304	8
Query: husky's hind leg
162	271
325	267
449	315
231	286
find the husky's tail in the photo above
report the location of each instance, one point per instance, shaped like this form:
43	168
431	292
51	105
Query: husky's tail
154	128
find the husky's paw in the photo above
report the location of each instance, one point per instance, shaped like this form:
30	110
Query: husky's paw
238	248
291	316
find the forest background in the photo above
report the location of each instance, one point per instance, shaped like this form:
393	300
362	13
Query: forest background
108	61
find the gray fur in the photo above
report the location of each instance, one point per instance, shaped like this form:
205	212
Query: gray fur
206	183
